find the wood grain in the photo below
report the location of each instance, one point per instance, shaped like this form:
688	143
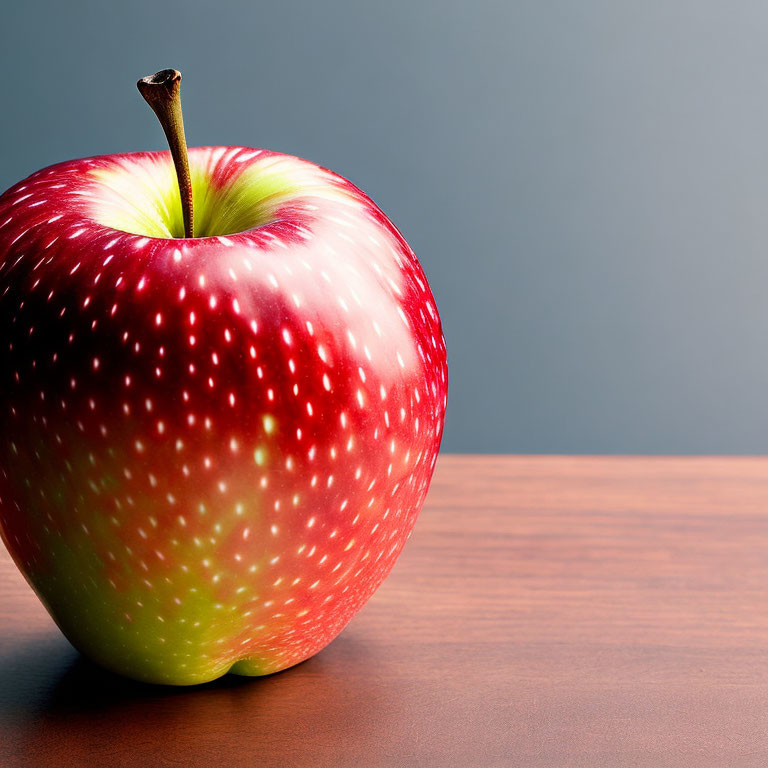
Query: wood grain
548	611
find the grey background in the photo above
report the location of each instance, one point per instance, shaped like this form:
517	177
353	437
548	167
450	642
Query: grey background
586	183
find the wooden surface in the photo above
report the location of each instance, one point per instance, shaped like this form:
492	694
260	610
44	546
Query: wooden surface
548	611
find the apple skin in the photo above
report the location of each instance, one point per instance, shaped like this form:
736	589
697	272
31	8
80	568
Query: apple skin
212	450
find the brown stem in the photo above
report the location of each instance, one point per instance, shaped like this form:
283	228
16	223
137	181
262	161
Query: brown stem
162	92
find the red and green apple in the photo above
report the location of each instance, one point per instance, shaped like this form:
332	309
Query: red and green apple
220	410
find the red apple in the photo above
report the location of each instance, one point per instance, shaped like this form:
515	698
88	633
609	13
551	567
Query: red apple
213	448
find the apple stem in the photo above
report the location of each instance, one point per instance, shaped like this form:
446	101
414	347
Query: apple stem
162	92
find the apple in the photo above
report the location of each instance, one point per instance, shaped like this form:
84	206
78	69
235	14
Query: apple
213	447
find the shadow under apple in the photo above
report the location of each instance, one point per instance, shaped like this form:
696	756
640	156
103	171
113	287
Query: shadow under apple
57	708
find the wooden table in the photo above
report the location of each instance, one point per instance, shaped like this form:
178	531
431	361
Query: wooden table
548	611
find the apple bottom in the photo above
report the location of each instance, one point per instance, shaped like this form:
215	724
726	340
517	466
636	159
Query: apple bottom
146	635
146	647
